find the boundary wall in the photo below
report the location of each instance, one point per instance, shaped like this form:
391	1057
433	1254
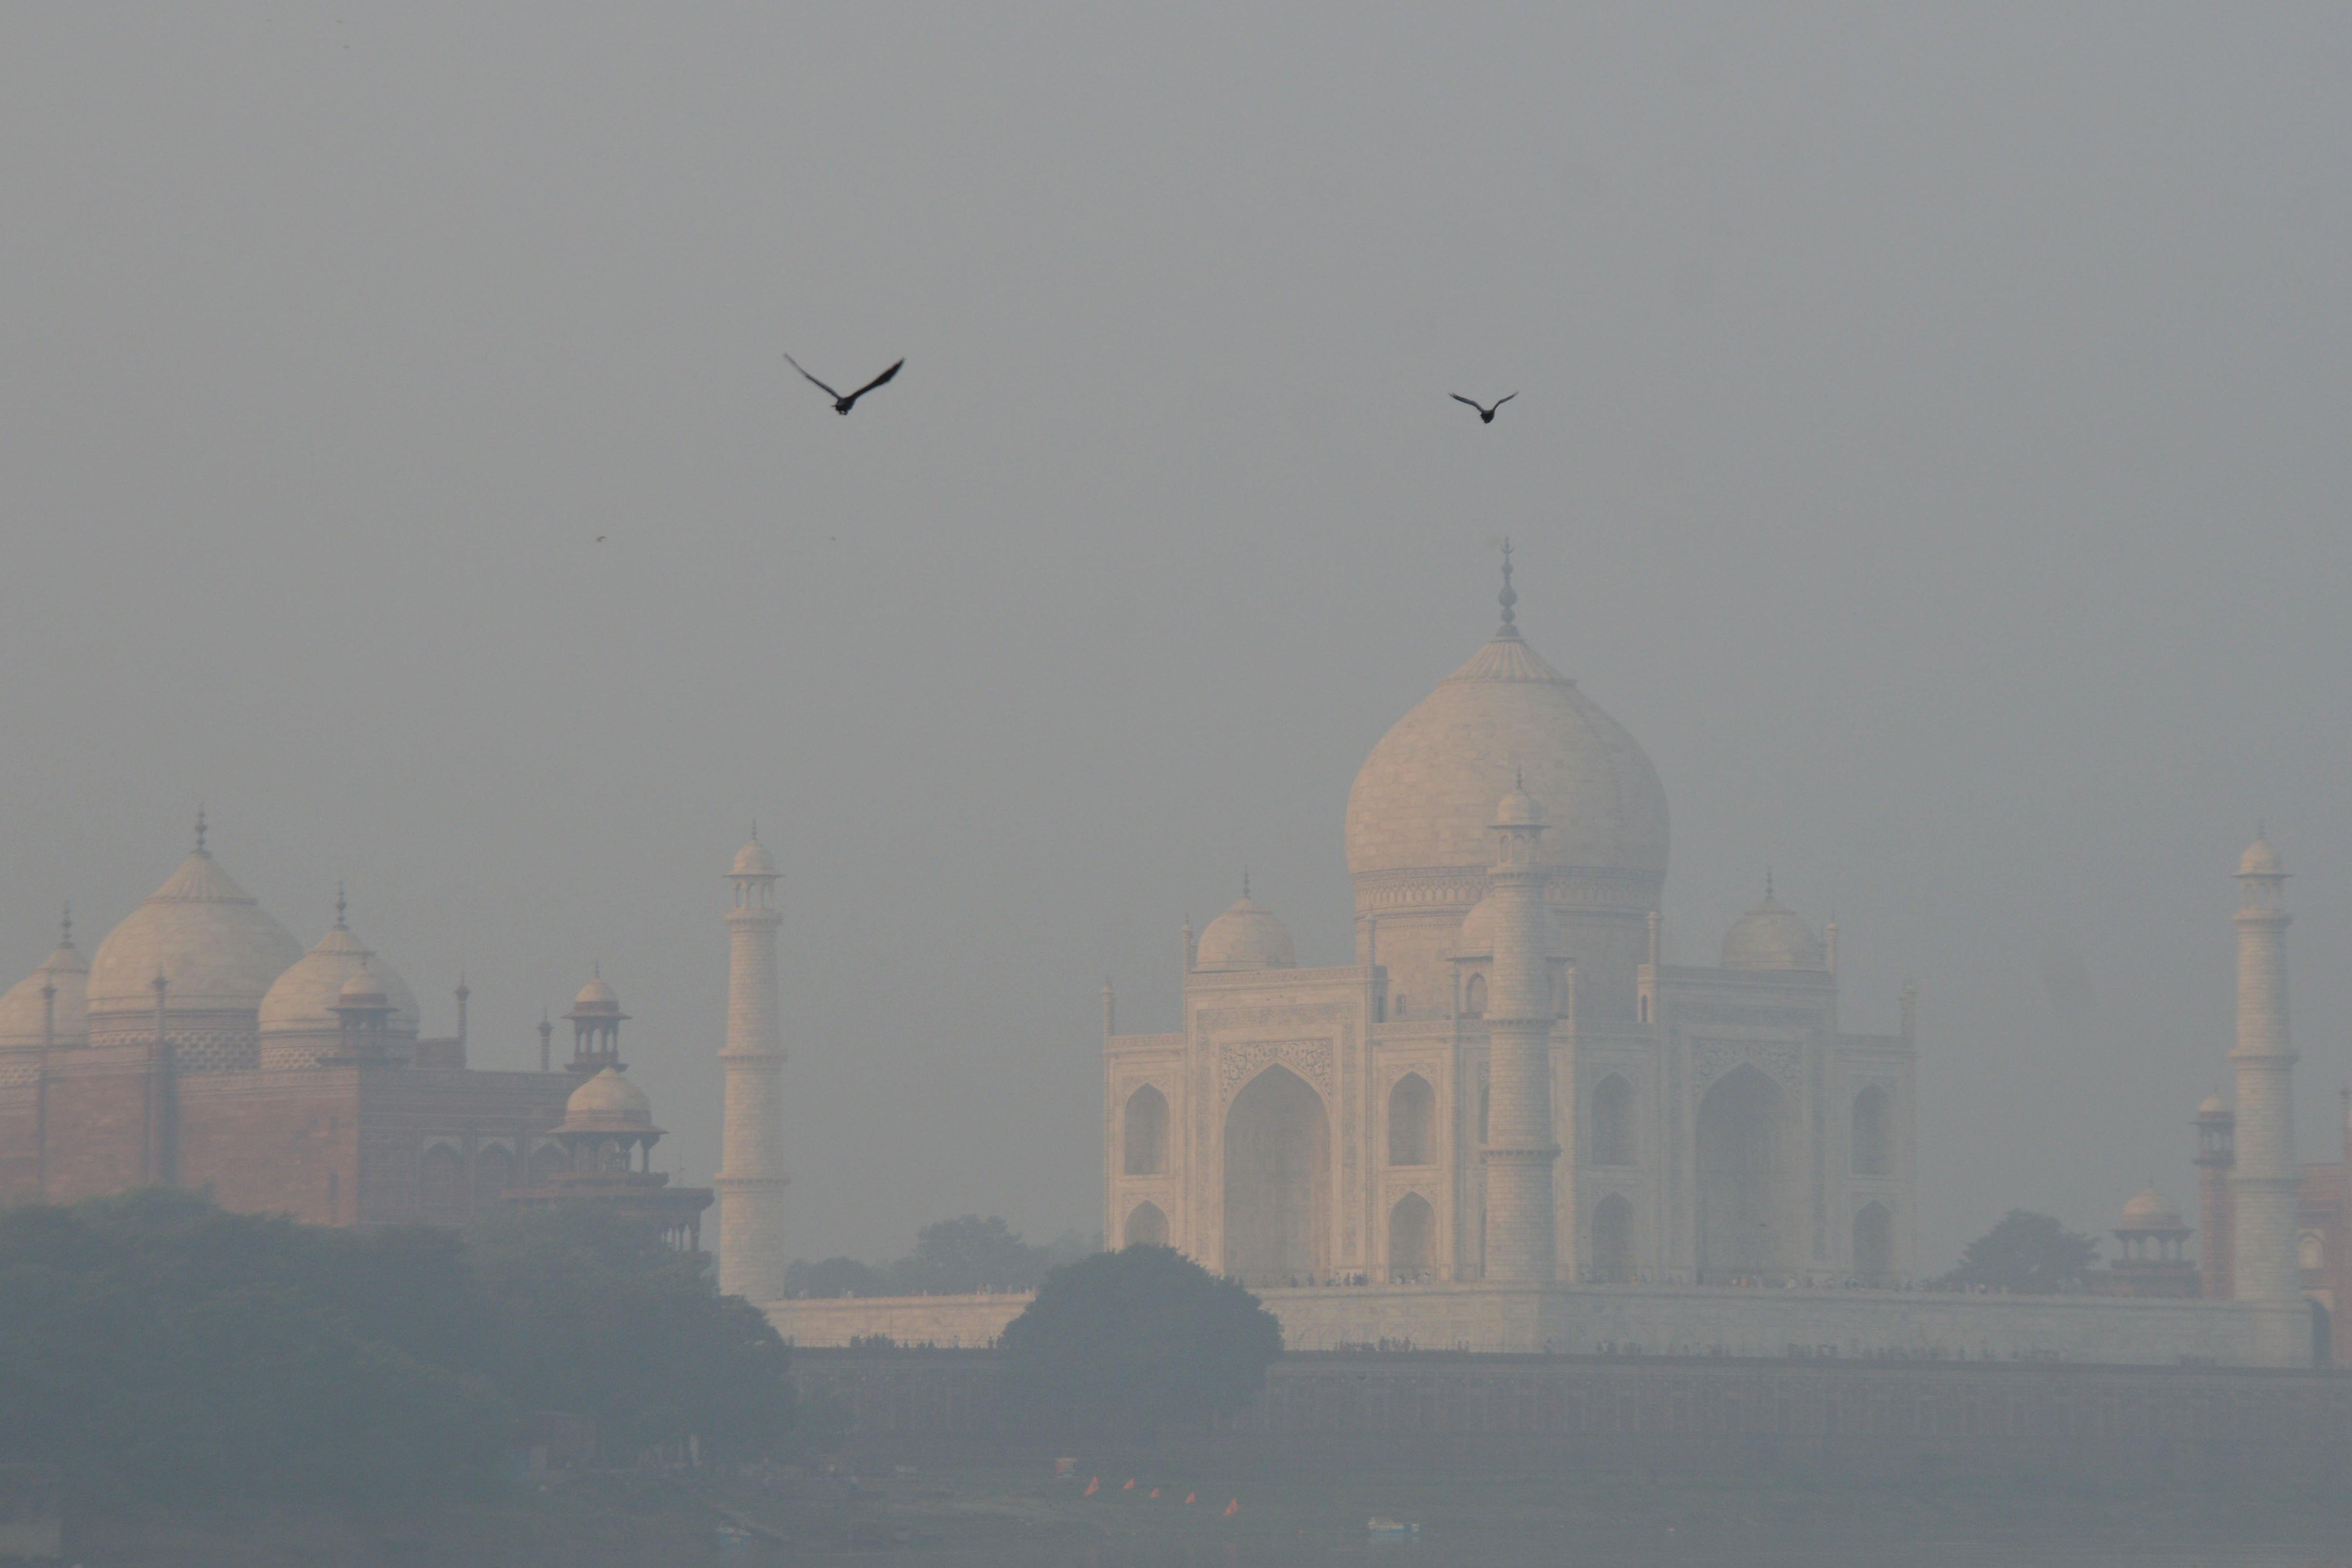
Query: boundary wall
1679	1320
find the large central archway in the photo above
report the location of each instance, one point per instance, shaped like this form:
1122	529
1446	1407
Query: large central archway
1747	1181
1277	1182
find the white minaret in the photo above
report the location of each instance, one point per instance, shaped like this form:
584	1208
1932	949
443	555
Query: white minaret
751	1179
2262	1186
1521	1244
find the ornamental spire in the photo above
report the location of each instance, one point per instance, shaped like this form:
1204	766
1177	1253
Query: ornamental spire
338	903
65	926
200	831
1506	598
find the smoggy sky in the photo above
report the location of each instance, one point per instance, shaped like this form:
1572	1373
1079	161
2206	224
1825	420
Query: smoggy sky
1931	444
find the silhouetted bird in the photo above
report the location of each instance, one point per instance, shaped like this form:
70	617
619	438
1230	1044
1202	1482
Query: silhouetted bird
844	405
1486	416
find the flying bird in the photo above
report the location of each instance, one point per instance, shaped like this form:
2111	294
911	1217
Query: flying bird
1486	416
844	405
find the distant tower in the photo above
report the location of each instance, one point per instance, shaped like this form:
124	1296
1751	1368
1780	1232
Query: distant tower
2262	1187
1521	1244
595	1019
2216	1152
752	1178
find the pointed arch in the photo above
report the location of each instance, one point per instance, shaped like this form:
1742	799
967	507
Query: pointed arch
1413	1226
1475	996
1146	1227
494	1172
1143	1136
1413	1110
1873	1243
1277	1159
1612	1240
1613	1123
1749	1223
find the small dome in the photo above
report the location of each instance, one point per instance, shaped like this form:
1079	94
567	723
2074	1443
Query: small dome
2214	1106
608	1103
25	1014
596	997
304	998
2150	1211
362	990
753	860
1246	936
1477	938
1772	936
2261	860
1518	809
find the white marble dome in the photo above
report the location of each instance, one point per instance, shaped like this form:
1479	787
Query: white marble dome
25	1014
753	860
2150	1210
1425	798
1245	936
1772	936
216	948
2261	860
303	1000
608	1102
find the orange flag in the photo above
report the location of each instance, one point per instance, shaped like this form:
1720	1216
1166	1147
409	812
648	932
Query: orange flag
1233	1507
1131	1485
1190	1496
1155	1491
1094	1485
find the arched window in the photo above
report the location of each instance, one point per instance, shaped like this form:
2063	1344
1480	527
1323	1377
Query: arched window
1412	1108
1613	1123
1146	1227
548	1159
1476	998
2313	1255
1144	1144
493	1172
1873	1134
1410	1227
439	1185
1873	1243
1612	1240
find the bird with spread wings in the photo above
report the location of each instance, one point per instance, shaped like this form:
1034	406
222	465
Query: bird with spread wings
844	405
1486	416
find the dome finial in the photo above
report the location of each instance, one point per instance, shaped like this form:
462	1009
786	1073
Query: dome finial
65	926
755	830
1768	884
1506	598
200	830
338	903
1245	881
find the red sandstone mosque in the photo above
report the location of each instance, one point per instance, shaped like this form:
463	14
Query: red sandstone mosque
200	1046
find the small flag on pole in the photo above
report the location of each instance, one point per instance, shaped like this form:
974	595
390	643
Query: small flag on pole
1094	1485
1233	1507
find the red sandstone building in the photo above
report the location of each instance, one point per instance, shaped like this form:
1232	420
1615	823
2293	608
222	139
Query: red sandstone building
200	1046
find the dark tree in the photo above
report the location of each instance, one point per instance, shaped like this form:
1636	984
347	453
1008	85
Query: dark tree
832	1277
2027	1254
956	1256
1127	1345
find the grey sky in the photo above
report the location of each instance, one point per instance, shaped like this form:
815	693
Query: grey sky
1931	445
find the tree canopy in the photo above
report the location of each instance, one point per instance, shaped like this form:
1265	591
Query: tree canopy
1129	1343
951	1257
156	1345
2026	1253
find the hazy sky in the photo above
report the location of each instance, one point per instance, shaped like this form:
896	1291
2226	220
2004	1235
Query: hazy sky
1931	444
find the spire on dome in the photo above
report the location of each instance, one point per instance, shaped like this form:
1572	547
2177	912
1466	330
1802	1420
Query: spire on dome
1245	881
65	926
338	904
1506	598
200	831
1768	884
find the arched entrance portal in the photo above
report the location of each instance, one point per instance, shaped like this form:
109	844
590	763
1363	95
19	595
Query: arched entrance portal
1410	1225
1747	1179
1277	1182
1147	1227
1873	1245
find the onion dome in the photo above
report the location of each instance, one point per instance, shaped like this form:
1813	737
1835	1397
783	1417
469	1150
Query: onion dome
1478	940
361	991
753	860
2150	1211
1423	800
608	1102
1518	809
1245	936
2214	1106
1772	936
216	949
27	1018
304	998
2261	860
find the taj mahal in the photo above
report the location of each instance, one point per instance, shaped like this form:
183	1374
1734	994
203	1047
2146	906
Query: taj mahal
1510	1125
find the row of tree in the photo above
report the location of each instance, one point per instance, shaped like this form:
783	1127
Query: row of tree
157	1346
951	1257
